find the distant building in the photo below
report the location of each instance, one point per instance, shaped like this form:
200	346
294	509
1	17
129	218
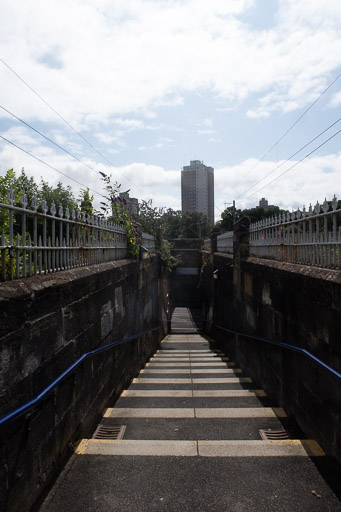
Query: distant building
197	189
131	203
263	203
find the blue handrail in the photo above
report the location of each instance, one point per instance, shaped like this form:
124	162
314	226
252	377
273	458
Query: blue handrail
286	346
38	398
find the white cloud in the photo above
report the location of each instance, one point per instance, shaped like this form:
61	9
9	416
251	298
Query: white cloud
206	132
336	100
115	138
112	68
160	143
145	181
205	127
130	124
297	188
205	123
107	58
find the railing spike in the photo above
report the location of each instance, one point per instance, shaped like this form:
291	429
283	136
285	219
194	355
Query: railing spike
53	209
44	207
325	205
23	199
34	203
334	202
11	196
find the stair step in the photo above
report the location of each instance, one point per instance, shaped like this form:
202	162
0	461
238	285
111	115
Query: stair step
283	448
210	393
217	412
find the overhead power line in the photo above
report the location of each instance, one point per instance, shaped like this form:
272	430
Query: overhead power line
46	103
289	158
68	124
293	125
295	164
50	166
48	139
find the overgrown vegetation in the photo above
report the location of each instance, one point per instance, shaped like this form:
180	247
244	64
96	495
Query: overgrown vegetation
186	224
149	220
255	214
164	224
115	210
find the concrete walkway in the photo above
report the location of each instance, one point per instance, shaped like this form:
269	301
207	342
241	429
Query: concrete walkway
192	443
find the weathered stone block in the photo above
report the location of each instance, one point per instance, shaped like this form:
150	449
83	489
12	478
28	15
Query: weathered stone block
59	318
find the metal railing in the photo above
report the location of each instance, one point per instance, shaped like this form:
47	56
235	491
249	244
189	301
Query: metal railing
148	241
36	240
37	399
286	346
207	244
225	242
310	237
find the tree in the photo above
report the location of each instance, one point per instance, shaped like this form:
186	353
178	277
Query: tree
85	201
255	214
194	225
227	218
186	224
114	209
153	220
173	220
18	184
60	195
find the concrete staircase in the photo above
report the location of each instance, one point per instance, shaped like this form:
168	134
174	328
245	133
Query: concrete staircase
190	426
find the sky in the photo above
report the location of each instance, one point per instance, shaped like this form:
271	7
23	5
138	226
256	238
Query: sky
138	88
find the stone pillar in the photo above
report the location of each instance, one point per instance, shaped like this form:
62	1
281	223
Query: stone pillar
214	242
240	251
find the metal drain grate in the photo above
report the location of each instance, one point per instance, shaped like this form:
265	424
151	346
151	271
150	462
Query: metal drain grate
274	435
110	432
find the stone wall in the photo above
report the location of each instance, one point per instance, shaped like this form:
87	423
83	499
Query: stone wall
47	323
185	278
296	304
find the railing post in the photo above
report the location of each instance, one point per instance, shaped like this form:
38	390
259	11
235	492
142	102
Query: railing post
241	237
10	198
214	242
